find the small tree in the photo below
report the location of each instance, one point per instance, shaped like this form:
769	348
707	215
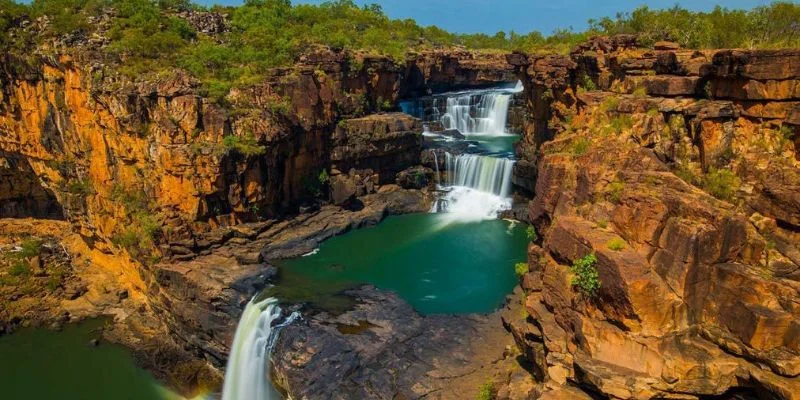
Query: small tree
531	233
585	276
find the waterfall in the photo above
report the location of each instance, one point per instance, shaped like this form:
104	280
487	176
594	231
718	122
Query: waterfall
484	173
478	187
478	112
247	373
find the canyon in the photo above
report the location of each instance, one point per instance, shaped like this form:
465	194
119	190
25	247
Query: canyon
676	168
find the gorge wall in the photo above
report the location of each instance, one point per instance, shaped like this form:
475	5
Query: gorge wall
678	169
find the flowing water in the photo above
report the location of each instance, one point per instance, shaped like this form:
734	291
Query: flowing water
458	259
248	366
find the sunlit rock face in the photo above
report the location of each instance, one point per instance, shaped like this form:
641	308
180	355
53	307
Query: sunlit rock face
678	170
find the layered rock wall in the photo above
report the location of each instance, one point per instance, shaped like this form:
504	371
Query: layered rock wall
678	170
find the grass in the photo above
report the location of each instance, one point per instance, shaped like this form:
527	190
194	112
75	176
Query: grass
610	103
614	191
579	146
616	244
486	391
721	183
602	223
585	278
521	269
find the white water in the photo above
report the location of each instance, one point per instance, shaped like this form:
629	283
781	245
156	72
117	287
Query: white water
246	376
479	112
478	187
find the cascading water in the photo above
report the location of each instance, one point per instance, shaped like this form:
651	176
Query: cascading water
478	185
248	364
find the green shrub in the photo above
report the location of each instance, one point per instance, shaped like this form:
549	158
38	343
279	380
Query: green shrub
721	183
588	84
615	244
640	92
486	391
521	269
531	233
323	177
20	268
614	191
79	187
579	146
610	103
30	248
602	223
246	145
585	276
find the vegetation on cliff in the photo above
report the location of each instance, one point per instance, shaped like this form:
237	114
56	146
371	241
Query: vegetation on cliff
237	45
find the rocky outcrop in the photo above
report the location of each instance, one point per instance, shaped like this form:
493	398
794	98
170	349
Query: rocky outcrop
383	349
674	168
383	143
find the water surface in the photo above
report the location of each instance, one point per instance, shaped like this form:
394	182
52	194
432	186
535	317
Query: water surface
40	364
434	263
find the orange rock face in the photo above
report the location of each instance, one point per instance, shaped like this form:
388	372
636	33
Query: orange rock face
689	205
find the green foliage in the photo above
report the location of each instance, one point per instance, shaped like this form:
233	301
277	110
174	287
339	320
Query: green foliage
769	26
610	103
640	92
139	234
614	191
521	269
585	276
30	248
587	84
721	183
20	268
615	244
486	391
246	145
602	223
147	36
531	233
79	187
323	177
579	146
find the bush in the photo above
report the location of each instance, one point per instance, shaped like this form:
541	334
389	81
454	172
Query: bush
246	145
579	146
486	391
585	276
531	233
79	187
20	268
588	84
721	183
615	244
614	191
30	248
521	269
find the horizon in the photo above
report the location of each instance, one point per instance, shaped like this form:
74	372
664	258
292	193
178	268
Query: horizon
520	16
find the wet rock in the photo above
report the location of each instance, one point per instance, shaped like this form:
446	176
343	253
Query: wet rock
415	177
383	349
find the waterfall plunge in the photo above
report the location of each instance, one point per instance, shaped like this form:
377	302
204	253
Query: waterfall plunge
480	113
478	187
246	376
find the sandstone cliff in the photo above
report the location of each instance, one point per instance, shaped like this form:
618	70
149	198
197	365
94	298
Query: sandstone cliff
678	170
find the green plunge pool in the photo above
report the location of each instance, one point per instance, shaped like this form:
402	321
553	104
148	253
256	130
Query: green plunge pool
40	364
437	265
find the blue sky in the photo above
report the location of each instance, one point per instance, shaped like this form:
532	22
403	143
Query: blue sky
489	16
